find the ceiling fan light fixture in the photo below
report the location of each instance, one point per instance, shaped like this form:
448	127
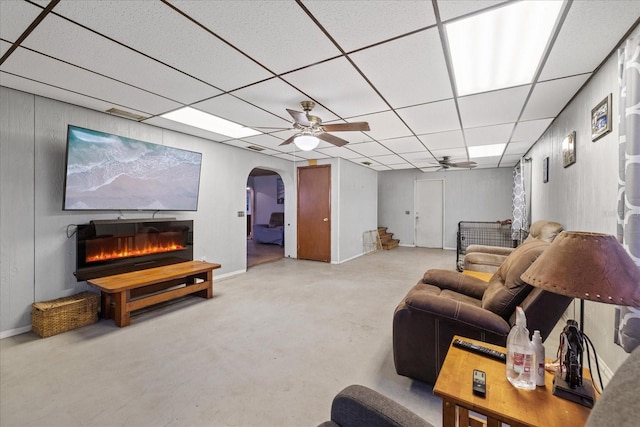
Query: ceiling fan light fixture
306	142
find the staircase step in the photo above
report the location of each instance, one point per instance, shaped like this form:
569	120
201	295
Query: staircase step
386	239
392	244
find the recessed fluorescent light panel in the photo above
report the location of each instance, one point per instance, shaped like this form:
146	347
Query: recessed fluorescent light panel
486	150
196	118
500	48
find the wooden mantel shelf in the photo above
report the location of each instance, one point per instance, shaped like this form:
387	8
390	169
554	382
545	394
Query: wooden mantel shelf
138	289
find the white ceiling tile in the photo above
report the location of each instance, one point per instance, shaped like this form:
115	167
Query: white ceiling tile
268	141
418	156
491	161
400	166
431	118
339	87
282	37
403	79
47	91
390	159
350	22
380	168
530	130
343	152
488	135
238	111
384	125
510	160
65	76
369	149
403	145
454	8
456	154
492	108
275	95
590	31
4	47
436	141
71	43
518	148
15	17
186	46
550	97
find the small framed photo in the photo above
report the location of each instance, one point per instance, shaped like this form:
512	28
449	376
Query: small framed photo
279	191
569	149
601	119
545	169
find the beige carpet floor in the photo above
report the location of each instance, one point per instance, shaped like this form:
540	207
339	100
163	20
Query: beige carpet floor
271	348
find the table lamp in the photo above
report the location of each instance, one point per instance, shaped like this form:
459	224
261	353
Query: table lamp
589	266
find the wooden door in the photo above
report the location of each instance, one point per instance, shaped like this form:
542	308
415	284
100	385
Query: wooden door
314	213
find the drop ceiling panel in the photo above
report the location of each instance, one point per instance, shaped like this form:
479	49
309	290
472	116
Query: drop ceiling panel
436	141
71	43
65	76
385	126
338	86
238	111
403	145
167	36
282	36
531	130
15	17
519	148
588	35
487	135
59	94
370	149
342	152
418	156
456	154
350	22
550	97
455	8
492	108
389	159
403	79
431	118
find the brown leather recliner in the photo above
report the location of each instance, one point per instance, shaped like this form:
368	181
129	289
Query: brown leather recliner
446	303
488	258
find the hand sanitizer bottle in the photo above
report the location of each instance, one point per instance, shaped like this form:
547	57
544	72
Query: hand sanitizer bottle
539	348
521	357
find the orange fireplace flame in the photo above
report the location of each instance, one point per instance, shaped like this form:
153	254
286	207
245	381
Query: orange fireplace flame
119	248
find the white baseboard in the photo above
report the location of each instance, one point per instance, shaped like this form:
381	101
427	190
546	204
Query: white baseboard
16	331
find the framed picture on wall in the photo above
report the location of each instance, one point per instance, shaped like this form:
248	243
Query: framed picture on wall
545	169
569	149
601	119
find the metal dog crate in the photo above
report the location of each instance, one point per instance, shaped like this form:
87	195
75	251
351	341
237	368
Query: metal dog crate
486	233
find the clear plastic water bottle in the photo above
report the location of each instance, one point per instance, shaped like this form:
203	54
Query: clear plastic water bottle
521	356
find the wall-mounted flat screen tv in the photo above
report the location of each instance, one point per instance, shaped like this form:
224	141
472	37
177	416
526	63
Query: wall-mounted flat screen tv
110	172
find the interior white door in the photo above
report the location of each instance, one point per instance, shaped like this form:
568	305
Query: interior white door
429	209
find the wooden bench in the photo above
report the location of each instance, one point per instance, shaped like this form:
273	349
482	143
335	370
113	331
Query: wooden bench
138	289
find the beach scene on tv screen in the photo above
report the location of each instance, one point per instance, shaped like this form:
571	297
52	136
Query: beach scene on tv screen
110	172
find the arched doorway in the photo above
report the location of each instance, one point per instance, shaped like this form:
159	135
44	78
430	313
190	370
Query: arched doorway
265	217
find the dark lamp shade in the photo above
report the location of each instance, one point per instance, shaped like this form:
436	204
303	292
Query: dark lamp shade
590	266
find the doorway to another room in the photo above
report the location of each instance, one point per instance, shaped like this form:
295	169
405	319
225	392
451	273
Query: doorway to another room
265	217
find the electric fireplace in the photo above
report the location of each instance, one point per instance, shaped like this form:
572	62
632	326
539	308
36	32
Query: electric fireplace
104	248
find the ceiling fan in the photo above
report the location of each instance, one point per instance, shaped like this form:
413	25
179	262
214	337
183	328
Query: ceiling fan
311	129
446	163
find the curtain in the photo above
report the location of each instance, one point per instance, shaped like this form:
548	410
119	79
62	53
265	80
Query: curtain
519	218
628	230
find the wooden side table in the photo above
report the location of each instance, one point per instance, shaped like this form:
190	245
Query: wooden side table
503	403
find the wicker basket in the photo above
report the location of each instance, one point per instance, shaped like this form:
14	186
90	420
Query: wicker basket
63	314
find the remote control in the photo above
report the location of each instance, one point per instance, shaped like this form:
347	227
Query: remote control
479	383
484	351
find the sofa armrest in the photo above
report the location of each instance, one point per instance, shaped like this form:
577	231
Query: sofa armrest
496	250
455	281
464	319
357	405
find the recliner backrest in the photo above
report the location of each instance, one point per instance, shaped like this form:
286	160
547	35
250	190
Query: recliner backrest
544	230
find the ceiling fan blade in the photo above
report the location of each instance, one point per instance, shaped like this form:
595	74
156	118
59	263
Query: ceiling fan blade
289	140
469	165
343	127
299	117
269	127
332	139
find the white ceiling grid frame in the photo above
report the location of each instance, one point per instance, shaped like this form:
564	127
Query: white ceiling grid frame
191	49
72	43
350	23
282	36
405	80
